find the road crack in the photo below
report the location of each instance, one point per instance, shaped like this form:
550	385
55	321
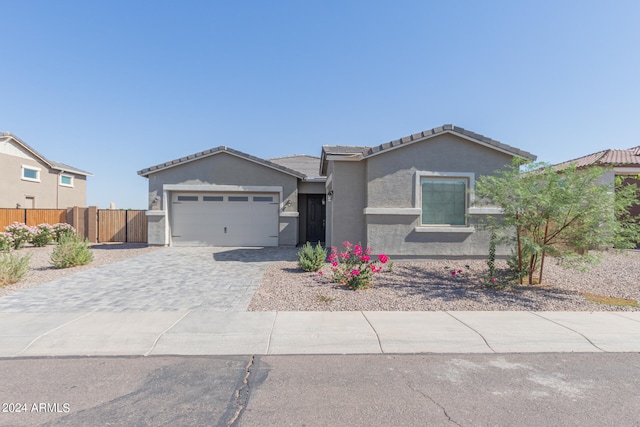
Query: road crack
241	396
432	400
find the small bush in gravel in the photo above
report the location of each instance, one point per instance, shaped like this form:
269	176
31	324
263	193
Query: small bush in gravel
62	229
6	242
312	258
13	268
71	251
42	235
354	266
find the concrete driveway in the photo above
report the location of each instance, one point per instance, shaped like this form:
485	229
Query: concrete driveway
169	279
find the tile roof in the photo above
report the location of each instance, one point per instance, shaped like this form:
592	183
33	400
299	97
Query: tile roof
52	164
450	129
345	150
612	157
222	149
303	163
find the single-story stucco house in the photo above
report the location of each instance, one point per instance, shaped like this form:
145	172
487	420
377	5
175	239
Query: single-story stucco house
30	180
410	197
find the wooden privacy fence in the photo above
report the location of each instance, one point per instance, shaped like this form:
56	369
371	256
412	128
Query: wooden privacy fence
32	216
122	226
98	225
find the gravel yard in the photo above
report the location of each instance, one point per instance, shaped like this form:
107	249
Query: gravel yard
42	271
430	286
412	286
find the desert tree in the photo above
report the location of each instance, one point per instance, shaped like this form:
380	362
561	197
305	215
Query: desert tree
561	213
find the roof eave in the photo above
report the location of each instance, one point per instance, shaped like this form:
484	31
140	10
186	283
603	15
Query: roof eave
450	129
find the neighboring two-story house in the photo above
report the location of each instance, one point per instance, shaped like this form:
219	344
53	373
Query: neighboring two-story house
29	180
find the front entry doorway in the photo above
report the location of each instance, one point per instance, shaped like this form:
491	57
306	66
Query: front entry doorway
316	218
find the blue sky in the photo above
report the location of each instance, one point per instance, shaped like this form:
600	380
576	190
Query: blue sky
113	87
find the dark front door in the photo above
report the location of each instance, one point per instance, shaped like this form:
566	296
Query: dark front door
316	215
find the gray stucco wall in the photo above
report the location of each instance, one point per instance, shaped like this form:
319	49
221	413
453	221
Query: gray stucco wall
349	201
391	174
48	193
226	169
390	183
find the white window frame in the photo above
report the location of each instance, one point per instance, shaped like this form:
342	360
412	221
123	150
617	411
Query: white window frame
439	228
33	168
71	177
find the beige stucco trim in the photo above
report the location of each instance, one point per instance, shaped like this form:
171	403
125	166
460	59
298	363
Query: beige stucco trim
156	213
290	214
435	229
392	211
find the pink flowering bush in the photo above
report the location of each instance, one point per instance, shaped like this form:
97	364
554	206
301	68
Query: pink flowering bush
62	229
21	234
354	266
18	234
42	235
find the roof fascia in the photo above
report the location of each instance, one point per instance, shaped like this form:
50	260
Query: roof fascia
345	157
50	164
32	151
453	132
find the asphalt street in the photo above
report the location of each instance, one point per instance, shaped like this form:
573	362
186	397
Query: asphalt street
560	389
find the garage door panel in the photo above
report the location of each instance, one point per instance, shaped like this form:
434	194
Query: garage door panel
223	219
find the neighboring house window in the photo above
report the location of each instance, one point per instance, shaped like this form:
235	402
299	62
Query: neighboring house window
66	180
29	173
444	198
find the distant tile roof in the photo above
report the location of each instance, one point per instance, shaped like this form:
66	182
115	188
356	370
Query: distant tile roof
52	164
303	163
222	149
612	157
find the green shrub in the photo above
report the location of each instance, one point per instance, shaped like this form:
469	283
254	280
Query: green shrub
6	242
21	234
310	258
13	268
42	235
62	229
71	251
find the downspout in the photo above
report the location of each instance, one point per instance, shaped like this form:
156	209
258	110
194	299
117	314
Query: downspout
58	190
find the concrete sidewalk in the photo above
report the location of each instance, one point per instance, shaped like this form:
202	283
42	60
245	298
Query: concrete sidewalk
240	333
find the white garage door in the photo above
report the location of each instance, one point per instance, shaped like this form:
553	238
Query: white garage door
224	219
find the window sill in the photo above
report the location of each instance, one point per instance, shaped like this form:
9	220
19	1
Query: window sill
30	179
485	210
392	211
444	229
